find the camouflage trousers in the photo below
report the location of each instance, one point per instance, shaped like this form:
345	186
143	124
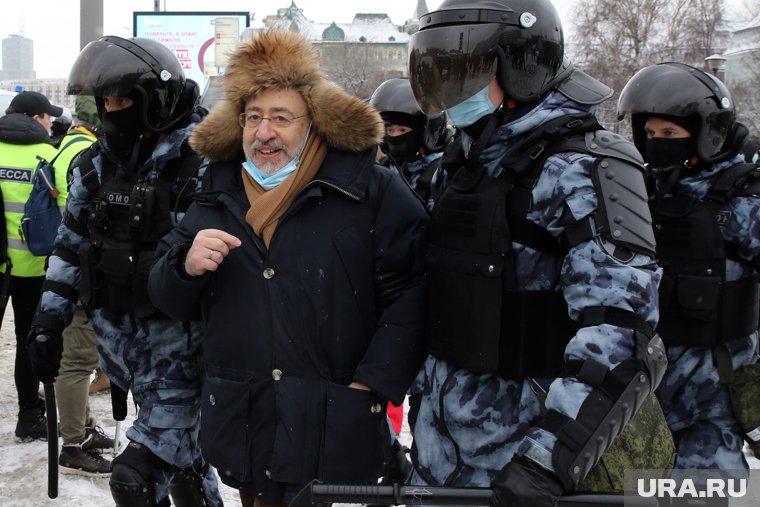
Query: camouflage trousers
696	395
157	360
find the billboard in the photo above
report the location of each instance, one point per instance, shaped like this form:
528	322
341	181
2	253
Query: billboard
199	39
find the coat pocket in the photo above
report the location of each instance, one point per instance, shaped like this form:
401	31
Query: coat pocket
224	426
300	408
356	433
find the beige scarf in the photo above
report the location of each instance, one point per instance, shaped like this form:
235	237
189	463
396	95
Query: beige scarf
267	206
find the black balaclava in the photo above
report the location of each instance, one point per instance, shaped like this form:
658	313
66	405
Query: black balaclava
406	147
663	153
124	128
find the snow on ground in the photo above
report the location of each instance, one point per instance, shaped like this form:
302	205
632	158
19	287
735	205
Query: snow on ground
23	466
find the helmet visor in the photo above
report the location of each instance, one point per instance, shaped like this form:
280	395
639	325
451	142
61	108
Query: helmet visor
450	63
105	69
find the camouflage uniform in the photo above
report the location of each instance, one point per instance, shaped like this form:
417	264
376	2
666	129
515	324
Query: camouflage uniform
471	424
155	358
696	403
415	169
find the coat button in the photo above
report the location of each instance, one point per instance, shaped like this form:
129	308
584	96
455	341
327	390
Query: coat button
277	374
212	399
376	408
268	273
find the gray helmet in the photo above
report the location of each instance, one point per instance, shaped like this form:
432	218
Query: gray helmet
115	66
678	90
395	96
465	43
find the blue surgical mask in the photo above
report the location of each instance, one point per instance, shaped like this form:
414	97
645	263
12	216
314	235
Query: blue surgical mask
471	110
269	181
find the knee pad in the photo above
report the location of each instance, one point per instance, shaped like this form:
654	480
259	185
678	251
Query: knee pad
131	479
186	488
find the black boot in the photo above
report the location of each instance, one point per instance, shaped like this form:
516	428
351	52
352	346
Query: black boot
186	488
32	424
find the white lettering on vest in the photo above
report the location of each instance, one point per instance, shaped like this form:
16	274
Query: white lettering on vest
118	199
16	174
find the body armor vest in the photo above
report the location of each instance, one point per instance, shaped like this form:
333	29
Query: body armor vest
480	320
698	307
128	215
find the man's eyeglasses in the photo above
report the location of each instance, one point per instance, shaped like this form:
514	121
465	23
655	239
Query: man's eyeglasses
253	120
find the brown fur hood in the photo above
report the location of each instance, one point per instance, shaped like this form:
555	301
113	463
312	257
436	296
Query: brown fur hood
284	59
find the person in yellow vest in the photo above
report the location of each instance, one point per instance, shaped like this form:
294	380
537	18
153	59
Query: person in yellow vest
24	136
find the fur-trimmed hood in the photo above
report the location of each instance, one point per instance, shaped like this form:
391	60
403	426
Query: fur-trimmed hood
284	59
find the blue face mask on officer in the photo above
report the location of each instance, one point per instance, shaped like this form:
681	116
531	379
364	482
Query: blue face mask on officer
471	109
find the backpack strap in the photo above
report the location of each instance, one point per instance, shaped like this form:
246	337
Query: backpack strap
49	178
60	152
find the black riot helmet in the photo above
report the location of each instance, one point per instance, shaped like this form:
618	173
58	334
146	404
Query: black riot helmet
682	92
113	66
394	98
465	43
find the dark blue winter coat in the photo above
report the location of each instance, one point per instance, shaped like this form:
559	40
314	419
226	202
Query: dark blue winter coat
289	327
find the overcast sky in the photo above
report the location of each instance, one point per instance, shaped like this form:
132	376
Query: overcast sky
54	24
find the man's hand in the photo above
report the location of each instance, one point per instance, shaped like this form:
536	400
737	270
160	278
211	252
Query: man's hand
524	483
45	350
208	250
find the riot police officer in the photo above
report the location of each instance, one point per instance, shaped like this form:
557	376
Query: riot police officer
705	204
128	190
413	142
541	267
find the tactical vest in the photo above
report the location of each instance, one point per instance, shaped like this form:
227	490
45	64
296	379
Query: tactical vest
698	307
128	215
424	187
479	318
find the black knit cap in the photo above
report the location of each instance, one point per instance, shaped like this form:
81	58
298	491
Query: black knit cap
34	103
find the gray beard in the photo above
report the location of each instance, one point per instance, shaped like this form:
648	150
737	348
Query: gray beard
271	167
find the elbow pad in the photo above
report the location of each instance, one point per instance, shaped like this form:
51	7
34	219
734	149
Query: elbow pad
616	396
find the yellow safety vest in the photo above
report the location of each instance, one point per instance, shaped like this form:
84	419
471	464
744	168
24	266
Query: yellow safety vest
17	164
67	154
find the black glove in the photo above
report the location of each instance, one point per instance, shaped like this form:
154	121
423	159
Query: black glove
525	483
397	465
45	350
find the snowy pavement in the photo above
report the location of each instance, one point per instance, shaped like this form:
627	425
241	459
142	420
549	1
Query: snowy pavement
23	466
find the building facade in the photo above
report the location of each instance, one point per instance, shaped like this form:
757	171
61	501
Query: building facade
358	55
18	58
53	89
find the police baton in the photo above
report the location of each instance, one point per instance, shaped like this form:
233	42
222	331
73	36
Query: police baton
400	494
52	440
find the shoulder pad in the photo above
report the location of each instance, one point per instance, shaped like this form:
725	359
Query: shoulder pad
608	144
584	89
623	215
